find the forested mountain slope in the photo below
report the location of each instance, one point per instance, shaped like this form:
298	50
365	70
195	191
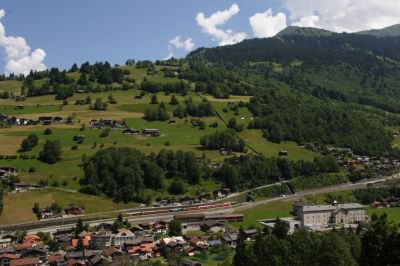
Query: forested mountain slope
314	86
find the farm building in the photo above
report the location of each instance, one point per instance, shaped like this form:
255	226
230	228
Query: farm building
151	132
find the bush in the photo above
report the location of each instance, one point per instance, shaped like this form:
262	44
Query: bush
30	142
32	169
177	187
105	133
74	147
48	131
51	152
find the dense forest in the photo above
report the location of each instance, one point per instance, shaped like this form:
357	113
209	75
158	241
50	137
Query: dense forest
289	115
377	245
123	173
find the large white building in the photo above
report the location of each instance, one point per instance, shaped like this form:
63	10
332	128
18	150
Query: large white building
316	215
320	217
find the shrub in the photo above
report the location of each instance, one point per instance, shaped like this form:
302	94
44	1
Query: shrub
48	131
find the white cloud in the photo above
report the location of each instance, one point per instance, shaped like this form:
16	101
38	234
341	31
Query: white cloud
310	21
187	44
17	53
177	43
210	25
266	25
344	15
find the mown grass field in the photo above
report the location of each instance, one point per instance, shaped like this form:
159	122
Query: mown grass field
392	213
18	206
269	210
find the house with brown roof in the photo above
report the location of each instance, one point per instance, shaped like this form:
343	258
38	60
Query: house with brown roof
74	210
26	262
6	258
160	227
213	226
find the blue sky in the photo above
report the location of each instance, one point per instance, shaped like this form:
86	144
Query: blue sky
96	30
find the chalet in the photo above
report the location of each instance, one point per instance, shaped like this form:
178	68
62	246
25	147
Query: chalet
221	193
283	154
57	119
204	196
145	225
3	118
230	238
137	230
122	236
186	200
213	226
74	210
251	234
94	124
6	171
107	122
45	120
160	227
5	242
138	97
46	213
130	131
176	243
113	252
40	252
151	132
197	242
99	260
22	187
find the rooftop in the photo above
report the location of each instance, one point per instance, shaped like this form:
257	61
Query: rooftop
346	206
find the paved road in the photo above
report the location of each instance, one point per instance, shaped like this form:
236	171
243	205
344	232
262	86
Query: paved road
53	225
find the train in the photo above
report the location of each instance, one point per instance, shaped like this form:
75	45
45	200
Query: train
181	209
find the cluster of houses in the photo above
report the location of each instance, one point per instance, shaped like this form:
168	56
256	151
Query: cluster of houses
107	123
380	165
185	200
115	124
103	246
386	203
7	171
49	212
145	132
43	120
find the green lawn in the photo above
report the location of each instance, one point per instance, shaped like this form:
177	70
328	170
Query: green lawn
255	140
392	213
14	110
266	211
18	206
13	86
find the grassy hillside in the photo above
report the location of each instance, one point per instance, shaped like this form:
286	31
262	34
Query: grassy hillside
66	174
